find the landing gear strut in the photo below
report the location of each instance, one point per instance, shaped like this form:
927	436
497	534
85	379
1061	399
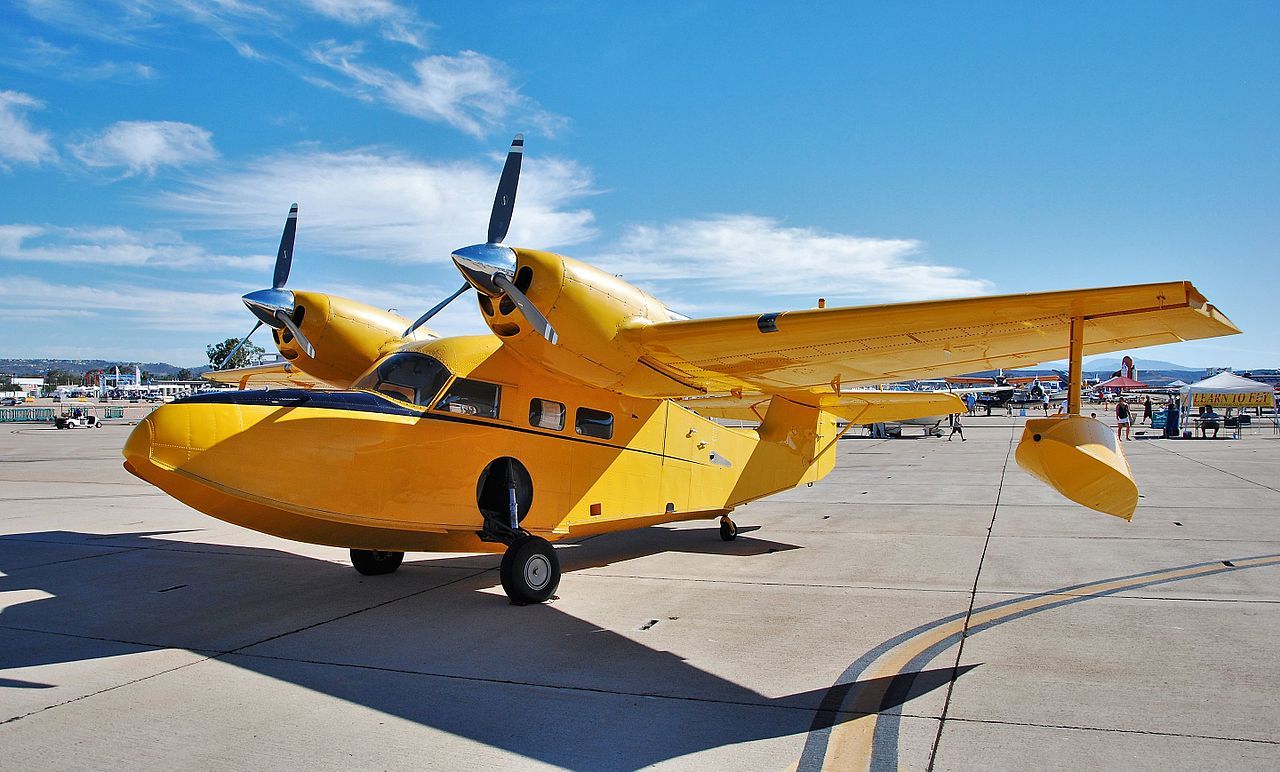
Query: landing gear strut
728	529
530	569
375	562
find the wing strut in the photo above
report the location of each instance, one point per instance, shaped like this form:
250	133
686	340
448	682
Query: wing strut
1075	374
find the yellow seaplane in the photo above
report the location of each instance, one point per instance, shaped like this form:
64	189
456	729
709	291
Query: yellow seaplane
592	407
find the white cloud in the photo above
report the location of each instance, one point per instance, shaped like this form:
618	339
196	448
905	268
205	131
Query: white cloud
133	305
19	141
745	253
145	146
116	246
471	92
47	59
399	24
388	207
26	314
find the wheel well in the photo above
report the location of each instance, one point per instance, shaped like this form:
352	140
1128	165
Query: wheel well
491	489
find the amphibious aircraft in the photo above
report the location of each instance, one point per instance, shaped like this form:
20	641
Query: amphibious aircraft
588	407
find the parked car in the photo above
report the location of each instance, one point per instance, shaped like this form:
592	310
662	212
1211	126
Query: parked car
8	402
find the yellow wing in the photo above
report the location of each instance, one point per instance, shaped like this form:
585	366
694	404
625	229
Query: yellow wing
277	374
819	351
857	407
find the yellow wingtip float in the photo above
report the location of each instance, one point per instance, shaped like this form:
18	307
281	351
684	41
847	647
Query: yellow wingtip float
1081	459
589	407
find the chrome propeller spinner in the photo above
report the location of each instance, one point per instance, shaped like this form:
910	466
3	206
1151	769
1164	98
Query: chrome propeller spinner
275	307
490	267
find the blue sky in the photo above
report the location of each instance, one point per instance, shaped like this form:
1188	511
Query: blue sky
728	157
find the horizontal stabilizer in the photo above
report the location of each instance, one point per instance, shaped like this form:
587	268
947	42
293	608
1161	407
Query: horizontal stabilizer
857	407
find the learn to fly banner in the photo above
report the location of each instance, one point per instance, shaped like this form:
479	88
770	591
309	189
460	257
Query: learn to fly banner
1248	399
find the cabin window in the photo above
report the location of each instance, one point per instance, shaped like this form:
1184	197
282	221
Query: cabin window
545	414
594	423
471	398
407	376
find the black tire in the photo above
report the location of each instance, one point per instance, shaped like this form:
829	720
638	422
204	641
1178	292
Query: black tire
376	562
728	529
530	570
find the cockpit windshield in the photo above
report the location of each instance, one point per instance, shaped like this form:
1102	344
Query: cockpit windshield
407	376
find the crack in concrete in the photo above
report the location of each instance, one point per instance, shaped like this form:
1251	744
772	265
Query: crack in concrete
973	596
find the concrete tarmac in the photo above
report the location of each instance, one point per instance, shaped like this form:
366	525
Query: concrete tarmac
927	606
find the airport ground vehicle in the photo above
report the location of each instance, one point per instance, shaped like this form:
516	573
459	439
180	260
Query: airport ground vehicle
77	418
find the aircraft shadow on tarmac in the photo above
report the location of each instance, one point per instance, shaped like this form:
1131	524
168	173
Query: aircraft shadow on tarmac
425	644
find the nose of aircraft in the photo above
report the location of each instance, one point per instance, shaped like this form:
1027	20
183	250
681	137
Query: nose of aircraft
173	435
137	449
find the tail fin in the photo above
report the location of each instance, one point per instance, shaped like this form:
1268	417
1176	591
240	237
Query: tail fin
797	445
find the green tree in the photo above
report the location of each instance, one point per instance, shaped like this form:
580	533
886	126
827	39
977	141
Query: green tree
247	355
59	377
183	374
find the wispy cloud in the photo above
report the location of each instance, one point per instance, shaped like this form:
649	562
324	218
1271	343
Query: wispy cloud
145	146
470	91
130	305
386	206
20	142
759	255
116	246
37	55
397	23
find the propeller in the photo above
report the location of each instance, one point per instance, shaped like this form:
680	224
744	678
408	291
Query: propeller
274	307
490	267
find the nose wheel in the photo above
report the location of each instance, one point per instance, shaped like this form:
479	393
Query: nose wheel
530	570
728	529
375	562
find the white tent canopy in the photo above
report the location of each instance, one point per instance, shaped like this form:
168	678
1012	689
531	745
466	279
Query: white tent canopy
1228	390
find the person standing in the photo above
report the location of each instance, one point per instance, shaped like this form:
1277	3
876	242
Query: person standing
956	428
1147	409
1122	420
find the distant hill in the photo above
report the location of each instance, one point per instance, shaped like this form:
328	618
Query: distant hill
1111	364
30	367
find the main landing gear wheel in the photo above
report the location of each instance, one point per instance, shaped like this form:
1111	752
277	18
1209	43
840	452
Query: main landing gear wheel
375	562
728	529
530	570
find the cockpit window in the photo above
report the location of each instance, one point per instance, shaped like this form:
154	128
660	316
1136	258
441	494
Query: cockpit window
407	376
472	398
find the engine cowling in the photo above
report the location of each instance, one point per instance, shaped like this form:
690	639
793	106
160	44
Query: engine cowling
588	309
348	336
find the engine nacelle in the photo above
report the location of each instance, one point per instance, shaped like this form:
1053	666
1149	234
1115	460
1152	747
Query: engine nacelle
348	336
588	308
